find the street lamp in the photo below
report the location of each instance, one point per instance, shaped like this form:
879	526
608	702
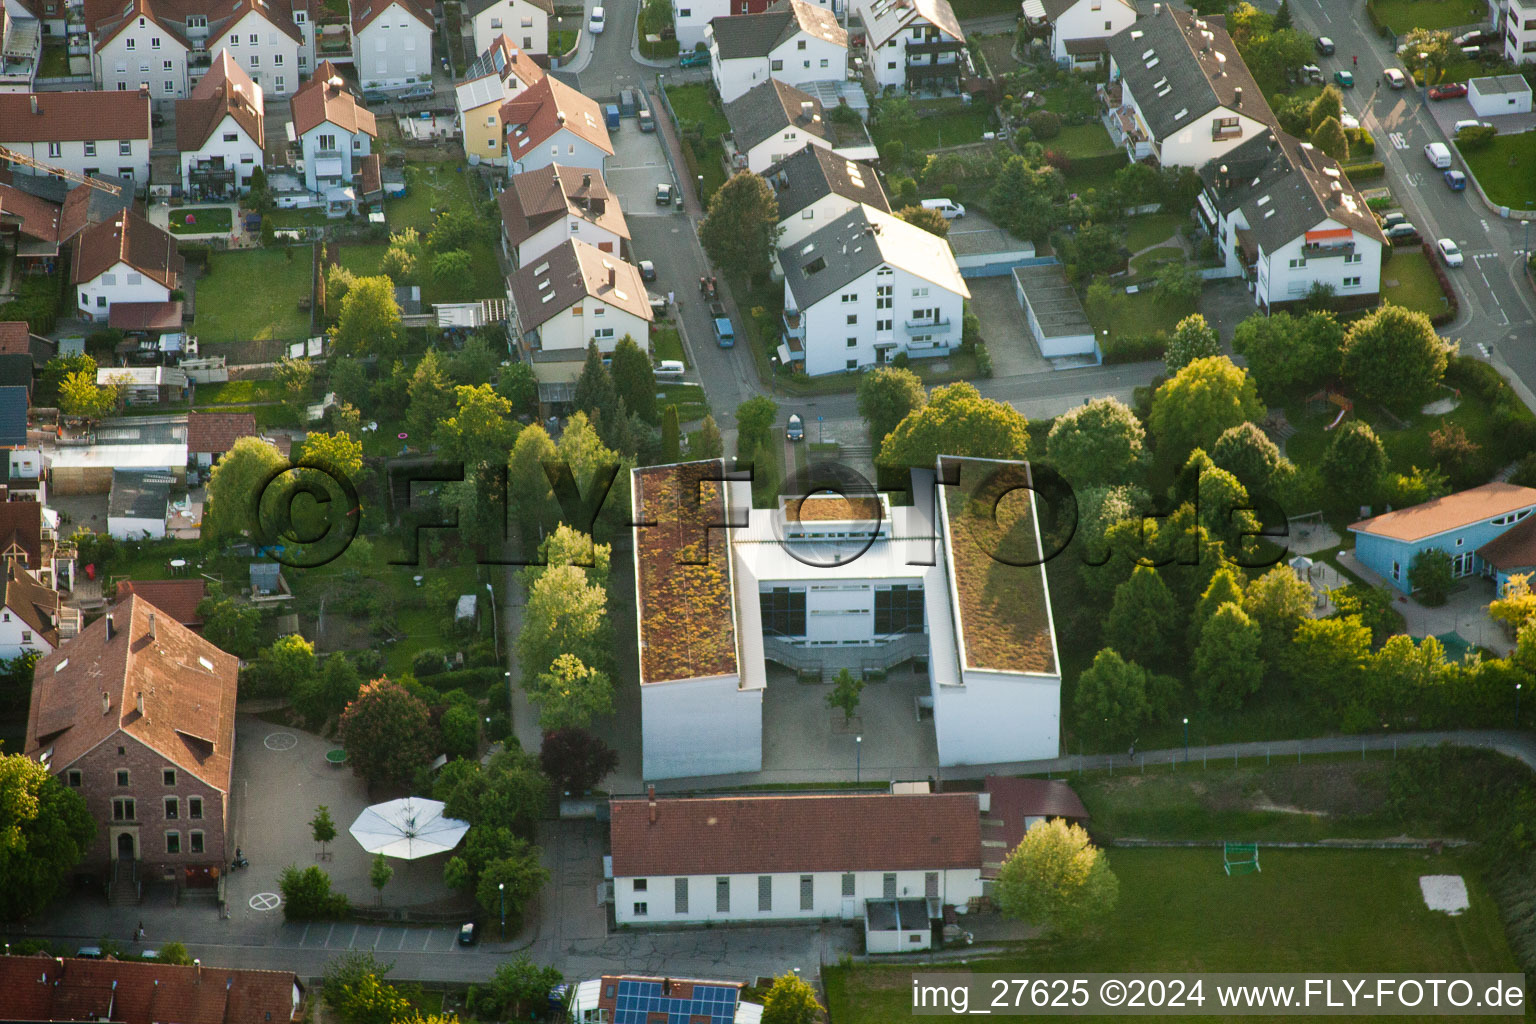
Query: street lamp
501	892
701	190
1186	741
858	758
495	626
1517	705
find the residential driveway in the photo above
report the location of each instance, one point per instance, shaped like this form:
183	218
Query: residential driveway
1003	327
1225	304
1447	112
635	169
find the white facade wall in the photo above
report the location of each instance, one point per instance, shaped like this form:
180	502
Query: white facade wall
691	17
564	147
393	50
1519	26
1089	19
787	143
129	528
348	145
243	153
104	156
1495	103
568	227
889	62
520	21
143	52
120	284
17	638
1193	145
1286	275
700	727
814	217
269	56
828	332
598	322
800	59
997	716
956	885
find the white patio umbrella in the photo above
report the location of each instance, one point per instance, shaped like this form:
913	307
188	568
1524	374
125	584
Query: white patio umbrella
407	828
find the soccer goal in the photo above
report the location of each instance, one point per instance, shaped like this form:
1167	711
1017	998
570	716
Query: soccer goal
1240	858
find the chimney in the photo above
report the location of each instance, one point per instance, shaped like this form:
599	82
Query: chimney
1157	9
111	632
144	89
198	966
1237	97
806	107
152	625
586	181
106	702
139	703
666	986
650	794
34	104
613	276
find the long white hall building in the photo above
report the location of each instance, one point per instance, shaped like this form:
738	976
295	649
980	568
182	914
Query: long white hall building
723	588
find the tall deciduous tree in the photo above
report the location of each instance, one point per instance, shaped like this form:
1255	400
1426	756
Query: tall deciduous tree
634	378
1352	464
710	445
754	425
1288	355
575	760
1227	663
931	221
1144	617
1099	442
570	693
45	829
1431	575
369	319
1022	198
379	874
956	421
1327	104
509	882
742	224
1111	698
1055	877
518	987
1277	601
1248	454
887	394
518	385
322	828
297	377
480	431
337	453
845	694
1393	356
1325	657
1201	401
235	488
1192	339
565	614
1225	588
80	396
386	732
431	398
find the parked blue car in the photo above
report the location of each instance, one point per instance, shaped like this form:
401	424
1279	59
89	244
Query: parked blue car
694	59
1456	181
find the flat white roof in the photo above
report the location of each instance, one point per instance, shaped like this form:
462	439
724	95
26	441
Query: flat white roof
764	552
120	456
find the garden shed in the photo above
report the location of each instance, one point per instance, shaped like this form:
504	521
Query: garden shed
1055	316
1499	94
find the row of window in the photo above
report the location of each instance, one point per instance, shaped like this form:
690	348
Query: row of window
56	149
765	892
496	23
125	808
194	842
123	776
898	609
778	65
883	292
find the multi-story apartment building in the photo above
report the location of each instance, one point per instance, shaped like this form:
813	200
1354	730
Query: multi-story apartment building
220	131
548	122
912	44
793	41
815	186
524	22
90	133
391	43
500	72
1516	20
334	132
542	209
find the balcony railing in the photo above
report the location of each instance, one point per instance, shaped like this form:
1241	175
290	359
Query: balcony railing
929	326
935	46
1322	252
794	324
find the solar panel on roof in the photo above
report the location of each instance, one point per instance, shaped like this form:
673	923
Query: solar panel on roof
638	999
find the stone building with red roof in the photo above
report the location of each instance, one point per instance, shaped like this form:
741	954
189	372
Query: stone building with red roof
44	988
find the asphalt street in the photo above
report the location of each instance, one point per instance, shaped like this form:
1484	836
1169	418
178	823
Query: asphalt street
1497	308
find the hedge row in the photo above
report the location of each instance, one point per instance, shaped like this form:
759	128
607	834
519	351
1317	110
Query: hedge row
1453	306
1103	163
1365	172
1135	348
1382	28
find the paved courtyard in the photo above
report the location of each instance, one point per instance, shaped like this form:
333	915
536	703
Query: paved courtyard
1003	328
636	168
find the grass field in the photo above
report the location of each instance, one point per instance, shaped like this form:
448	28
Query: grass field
1416	287
428	188
692	103
1403	15
240	392
947	122
1141	313
1070	97
1145	266
1308	910
363	259
1079	140
1506	169
55	62
666	344
1405	447
254	293
1152	228
207	220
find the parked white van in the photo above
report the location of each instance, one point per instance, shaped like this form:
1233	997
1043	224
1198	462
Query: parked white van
669	368
948	207
1438	154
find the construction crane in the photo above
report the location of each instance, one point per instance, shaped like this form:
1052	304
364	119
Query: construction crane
79	179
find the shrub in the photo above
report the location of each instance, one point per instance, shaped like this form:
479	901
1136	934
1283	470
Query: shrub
1045	124
1475	377
1480	137
983	359
429	662
1135	348
1364	172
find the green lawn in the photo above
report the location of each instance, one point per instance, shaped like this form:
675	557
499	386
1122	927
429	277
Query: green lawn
1417	287
1458	70
1137	314
55	62
205	220
1079	140
1506	169
562	41
1403	15
1152	228
297	218
428	188
666	343
239	392
1308	910
1070	97
254	294
946	122
1145	267
1405	448
693	103
689	399
363	259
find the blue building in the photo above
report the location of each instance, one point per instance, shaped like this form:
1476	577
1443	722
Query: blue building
1477	528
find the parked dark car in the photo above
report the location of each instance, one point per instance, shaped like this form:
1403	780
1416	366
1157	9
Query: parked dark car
469	934
1456	181
1324	46
420	92
647	270
663	195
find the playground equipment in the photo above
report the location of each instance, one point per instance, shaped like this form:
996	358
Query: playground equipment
1240	858
1332	397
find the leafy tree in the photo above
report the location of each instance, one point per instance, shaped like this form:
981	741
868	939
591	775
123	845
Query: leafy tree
16	682
522	876
460	726
338	281
341	981
1430	51
339	453
956	421
297	377
1055	877
845	694
791	1000
453	273
1177	283
931	221
325	694
575	760
371	1000
1144	617
520	387
565	614
174	953
887	394
80	396
307	895
234	488
1402	490
569	694
45	829
739	230
1278	601
1516	603
531	498
1248	454
569	546
1227	663
1352	463
1098	442
1200	402
322	828
671	436
507	793
1272	55
402	258
1111	698
1325	656
230	625
1288	354
1094	249
379	874
754	425
1328	104
1192	339
480	431
518	987
1330	138
349	379
1393	356
710	445
51	378
455	228
1431	575
386	733
345	418
288	666
369	319
1022	198
634	379
1225	588
431	397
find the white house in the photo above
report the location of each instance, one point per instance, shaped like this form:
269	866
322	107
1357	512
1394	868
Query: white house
913	45
391	43
135	47
867	287
29	615
335	131
787	858
498	74
540	210
792	41
773	120
1500	94
220	131
815	186
126	259
89	133
1516	21
829	582
690	18
525	22
1080	29
573	296
137	505
264	40
1285	218
548	122
1179	90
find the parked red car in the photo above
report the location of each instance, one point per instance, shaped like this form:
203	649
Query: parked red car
1448	91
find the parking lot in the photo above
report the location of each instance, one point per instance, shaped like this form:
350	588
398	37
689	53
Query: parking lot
1447	112
636	168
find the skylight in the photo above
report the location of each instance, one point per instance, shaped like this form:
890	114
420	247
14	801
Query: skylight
1262	199
1160	82
1148	54
1153	63
1268	214
541	268
205	663
1182	114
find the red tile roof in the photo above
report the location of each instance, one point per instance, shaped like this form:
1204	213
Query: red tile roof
187	686
224	90
177	598
35	604
279	19
128	238
321	99
106	28
217	432
365	12
1514	549
14	335
36	217
21	525
145	316
1454	510
41	988
540	111
1015	800
73	116
787	834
